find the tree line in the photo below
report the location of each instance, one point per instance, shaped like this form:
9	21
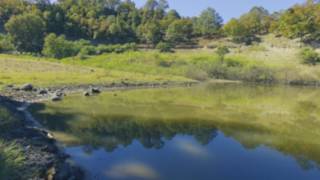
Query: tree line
29	25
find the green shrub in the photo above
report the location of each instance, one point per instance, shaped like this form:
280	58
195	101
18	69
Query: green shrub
5	44
117	48
259	74
309	56
83	53
59	47
222	51
164	47
197	74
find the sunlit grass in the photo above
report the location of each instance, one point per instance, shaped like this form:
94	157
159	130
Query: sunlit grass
272	60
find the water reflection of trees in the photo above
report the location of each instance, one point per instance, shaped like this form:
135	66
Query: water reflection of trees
113	131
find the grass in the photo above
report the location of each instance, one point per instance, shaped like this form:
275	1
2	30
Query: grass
271	60
11	160
11	155
49	72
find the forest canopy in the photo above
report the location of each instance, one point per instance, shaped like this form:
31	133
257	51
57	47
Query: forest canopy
121	21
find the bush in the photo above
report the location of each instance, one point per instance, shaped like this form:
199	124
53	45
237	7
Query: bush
309	56
222	51
164	47
5	44
259	74
197	74
117	48
165	63
59	47
83	53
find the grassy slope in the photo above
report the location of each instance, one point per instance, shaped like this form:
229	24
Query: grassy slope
48	72
273	58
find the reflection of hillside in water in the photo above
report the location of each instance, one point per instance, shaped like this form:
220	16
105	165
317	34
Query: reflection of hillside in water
254	116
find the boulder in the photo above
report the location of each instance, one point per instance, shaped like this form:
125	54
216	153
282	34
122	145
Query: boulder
43	91
56	98
10	86
27	87
59	93
95	90
86	93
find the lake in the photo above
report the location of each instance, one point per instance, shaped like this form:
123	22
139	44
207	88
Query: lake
206	132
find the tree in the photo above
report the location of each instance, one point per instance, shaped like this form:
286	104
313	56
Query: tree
179	31
9	8
27	32
236	30
150	33
222	51
257	21
301	21
209	23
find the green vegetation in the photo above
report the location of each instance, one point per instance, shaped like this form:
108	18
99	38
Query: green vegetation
119	22
222	51
11	155
27	32
103	39
164	47
310	56
11	160
273	60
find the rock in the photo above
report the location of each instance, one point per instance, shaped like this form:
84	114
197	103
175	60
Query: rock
10	86
27	87
56	98
43	91
95	90
59	93
86	94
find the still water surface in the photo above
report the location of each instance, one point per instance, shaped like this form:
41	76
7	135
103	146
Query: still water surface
205	132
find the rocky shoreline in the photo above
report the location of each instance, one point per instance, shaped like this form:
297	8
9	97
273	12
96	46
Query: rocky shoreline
44	158
30	94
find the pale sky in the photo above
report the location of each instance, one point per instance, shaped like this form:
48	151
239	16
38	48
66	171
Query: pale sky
226	8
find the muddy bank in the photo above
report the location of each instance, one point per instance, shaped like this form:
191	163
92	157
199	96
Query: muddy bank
43	158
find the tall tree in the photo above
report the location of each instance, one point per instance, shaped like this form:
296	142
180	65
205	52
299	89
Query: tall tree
179	31
27	32
209	23
257	20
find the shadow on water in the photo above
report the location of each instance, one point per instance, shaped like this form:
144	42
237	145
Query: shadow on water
253	116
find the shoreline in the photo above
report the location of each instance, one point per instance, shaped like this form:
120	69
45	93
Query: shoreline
44	159
42	150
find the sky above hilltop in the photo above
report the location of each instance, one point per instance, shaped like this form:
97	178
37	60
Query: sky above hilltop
226	8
